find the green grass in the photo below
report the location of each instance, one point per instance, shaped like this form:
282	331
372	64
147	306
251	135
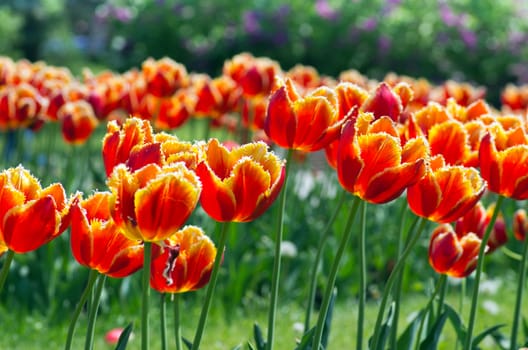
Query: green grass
34	331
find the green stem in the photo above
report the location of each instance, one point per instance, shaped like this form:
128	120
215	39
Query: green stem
5	268
318	335
84	296
92	316
390	281
313	277
399	281
441	295
362	276
480	265
440	286
211	287
163	320
519	296
147	256
277	257
461	306
177	325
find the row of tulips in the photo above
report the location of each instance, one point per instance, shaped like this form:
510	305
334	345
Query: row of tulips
383	141
163	92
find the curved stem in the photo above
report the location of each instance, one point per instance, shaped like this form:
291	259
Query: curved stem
442	294
362	276
92	316
84	296
163	320
318	335
398	284
440	284
277	257
392	277
313	277
5	268
177	325
210	287
480	265
519	296
147	256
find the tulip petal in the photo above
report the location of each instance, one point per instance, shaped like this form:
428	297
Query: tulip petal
28	226
281	121
164	205
217	198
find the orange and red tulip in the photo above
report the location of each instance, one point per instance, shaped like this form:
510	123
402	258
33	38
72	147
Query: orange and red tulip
372	164
451	254
164	77
78	121
120	142
241	183
446	192
476	220
30	216
505	169
385	102
153	202
520	224
307	123
183	263
96	241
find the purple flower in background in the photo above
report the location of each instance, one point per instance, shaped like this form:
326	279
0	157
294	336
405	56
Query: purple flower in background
447	15
282	13
468	37
325	11
251	23
384	44
390	5
122	14
369	24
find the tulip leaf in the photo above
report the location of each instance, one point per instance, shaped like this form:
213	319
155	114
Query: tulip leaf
431	340
407	338
385	329
250	346
187	343
456	322
489	331
259	339
328	320
525	330
124	337
306	340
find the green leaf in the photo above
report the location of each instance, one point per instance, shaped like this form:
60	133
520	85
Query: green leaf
259	339
187	343
238	347
123	338
486	332
431	340
306	340
456	322
385	328
407	338
525	330
328	320
250	346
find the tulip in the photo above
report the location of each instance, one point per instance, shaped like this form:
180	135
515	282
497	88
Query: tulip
241	183
446	192
373	165
153	202
96	241
183	263
451	254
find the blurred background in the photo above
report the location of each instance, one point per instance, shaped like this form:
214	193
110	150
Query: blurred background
480	41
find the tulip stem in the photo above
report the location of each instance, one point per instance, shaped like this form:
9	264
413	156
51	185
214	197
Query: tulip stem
318	335
362	276
147	256
163	320
177	325
390	281
211	287
313	278
92	316
399	281
5	268
277	257
519	296
84	297
480	265
440	284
